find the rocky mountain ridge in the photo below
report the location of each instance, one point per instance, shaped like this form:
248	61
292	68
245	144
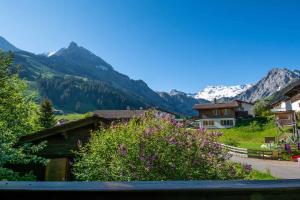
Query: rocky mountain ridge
276	79
76	80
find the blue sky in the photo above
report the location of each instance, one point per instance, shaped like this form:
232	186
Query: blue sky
167	43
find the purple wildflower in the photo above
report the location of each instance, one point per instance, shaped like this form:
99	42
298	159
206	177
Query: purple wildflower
173	122
247	168
171	140
202	129
123	150
179	125
288	148
142	158
216	134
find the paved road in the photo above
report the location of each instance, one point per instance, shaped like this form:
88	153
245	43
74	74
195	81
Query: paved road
279	169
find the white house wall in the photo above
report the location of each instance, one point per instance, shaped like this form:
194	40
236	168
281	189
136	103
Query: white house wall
296	106
217	123
248	107
287	105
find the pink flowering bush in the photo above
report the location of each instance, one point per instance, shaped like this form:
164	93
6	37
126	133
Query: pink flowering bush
152	148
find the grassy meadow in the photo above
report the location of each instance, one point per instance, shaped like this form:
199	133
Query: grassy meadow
249	136
72	116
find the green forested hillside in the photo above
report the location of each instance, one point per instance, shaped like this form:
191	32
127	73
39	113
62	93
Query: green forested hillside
76	80
78	95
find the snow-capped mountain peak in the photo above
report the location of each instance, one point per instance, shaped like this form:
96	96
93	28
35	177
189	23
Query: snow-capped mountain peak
212	92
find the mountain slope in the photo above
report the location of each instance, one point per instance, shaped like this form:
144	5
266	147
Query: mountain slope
78	61
275	80
73	94
6	46
181	102
76	80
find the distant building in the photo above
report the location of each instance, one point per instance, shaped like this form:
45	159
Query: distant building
58	112
286	108
222	115
68	136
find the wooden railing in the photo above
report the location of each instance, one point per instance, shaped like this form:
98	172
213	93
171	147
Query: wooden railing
285	122
264	154
233	190
236	150
251	153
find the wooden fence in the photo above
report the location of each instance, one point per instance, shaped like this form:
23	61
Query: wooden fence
251	153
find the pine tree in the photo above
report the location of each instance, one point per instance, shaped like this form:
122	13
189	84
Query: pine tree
47	118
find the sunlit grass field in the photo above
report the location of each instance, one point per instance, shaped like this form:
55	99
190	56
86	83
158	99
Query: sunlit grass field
251	136
73	116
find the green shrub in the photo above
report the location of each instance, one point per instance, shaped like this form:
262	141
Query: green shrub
231	142
286	156
255	126
257	123
151	148
262	108
257	175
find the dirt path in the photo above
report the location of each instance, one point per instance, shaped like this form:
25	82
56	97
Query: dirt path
279	169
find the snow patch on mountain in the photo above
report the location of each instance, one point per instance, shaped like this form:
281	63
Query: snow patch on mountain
51	53
212	92
48	54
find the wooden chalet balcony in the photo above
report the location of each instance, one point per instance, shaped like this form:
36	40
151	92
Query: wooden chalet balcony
233	190
276	110
285	122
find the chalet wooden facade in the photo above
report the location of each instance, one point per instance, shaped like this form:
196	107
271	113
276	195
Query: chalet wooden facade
286	108
64	139
222	115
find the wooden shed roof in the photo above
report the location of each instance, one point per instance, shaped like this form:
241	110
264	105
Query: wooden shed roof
99	115
59	129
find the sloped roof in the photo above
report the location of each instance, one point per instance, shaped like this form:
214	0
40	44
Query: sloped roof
293	88
232	104
99	115
287	92
59	129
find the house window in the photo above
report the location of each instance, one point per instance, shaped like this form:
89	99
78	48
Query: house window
227	122
208	123
226	111
217	112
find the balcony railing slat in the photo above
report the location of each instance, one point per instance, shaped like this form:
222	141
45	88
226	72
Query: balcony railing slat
279	189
